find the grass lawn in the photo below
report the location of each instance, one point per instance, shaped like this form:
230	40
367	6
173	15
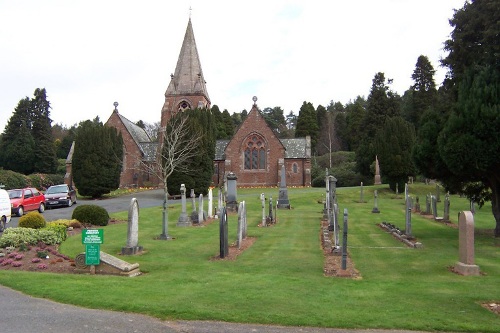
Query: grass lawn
279	279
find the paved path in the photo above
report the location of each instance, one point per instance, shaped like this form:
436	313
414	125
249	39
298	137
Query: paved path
25	314
20	313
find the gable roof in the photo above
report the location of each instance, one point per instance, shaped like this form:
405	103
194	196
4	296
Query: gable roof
297	147
188	77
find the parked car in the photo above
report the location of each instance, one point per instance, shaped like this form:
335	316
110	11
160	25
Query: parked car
5	210
60	195
26	199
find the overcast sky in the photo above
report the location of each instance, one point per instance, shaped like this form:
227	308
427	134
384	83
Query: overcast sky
89	54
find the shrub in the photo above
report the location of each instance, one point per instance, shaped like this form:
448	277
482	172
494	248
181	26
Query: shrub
13	179
16	264
91	214
58	229
16	236
33	220
44	181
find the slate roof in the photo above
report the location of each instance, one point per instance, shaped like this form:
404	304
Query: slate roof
188	76
149	149
296	148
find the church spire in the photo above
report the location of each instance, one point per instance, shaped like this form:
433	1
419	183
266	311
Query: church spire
188	77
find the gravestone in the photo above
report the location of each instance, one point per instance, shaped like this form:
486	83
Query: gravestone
132	246
407	191
184	220
223	237
434	208
241	223
472	207
428	204
466	264
283	201
375	204
336	227
210	203
417	205
220	201
361	196
201	216
446	215
397	190
326	207
408	218
438	193
193	202
270	218
263	203
231	196
377	172
344	242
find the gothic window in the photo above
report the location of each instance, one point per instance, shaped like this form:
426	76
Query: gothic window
254	153
295	168
183	106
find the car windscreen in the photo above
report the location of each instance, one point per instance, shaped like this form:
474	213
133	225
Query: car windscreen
15	194
57	189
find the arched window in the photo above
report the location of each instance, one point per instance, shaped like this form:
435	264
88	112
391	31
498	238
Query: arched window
295	168
254	153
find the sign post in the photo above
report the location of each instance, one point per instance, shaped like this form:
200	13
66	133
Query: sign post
92	238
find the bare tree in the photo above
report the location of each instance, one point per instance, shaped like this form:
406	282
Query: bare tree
180	143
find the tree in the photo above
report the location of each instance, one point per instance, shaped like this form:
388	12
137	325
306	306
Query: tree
275	119
355	115
468	144
46	160
307	123
97	159
394	143
422	94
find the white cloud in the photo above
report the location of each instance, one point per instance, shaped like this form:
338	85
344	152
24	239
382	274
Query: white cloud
88	54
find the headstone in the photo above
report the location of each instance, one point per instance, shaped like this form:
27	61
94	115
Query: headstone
361	197
375	200
223	237
428	204
407	191
377	172
446	215
417	205
184	220
193	201
244	220
438	193
344	242
210	203
241	212
220	201
466	264
133	229
270	217
283	201
408	218
472	207
201	218
231	196
336	226
397	190
327	196
434	206
263	203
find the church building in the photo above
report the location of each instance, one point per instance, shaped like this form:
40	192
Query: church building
255	153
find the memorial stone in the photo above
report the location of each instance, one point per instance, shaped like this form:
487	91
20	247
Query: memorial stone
210	203
201	217
466	265
132	246
344	242
184	219
231	196
417	205
263	204
377	172
446	215
283	201
375	200
408	219
223	236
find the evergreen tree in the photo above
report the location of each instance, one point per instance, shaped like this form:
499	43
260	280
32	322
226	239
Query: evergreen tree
275	119
97	159
45	160
394	143
307	123
355	115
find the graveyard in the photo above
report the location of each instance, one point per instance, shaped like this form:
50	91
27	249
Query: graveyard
279	277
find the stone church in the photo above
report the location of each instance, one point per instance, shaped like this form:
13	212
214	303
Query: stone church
255	154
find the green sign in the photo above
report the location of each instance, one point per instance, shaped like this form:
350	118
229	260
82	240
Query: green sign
92	254
93	236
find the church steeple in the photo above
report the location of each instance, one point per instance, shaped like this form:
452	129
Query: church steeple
187	88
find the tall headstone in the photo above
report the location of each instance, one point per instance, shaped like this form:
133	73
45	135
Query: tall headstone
231	196
283	201
434	206
428	204
263	204
446	215
344	242
220	201
361	197
270	217
408	218
184	220
417	205
241	222
201	217
223	237
193	201
377	172
132	246
210	203
336	226
466	264
375	202
438	193
326	207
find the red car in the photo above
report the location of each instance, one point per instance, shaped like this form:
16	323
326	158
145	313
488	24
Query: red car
26	199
